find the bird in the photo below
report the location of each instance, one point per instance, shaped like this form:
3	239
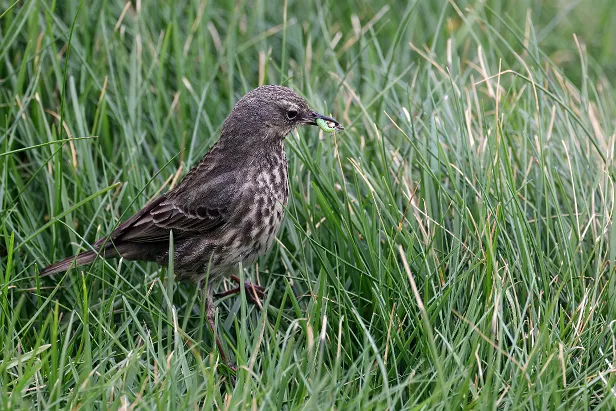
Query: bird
227	210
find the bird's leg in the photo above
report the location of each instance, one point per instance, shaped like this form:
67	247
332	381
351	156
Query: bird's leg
254	293
209	312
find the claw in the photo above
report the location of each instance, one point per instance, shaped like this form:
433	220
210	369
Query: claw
232	373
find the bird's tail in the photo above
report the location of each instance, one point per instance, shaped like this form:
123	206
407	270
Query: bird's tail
80	259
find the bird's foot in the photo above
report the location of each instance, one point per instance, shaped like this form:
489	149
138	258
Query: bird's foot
254	293
230	370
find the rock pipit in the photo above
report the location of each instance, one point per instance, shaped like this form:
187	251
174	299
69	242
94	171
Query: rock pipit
228	208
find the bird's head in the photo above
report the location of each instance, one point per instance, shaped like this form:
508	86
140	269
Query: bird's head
269	114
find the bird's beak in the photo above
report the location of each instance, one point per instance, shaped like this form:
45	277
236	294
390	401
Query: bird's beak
312	120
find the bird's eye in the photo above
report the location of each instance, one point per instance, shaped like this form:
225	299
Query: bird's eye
291	113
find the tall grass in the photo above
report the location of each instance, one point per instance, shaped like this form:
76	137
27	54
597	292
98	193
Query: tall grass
452	249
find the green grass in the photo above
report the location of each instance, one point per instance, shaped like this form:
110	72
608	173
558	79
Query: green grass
452	249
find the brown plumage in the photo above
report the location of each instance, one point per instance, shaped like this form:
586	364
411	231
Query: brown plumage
227	209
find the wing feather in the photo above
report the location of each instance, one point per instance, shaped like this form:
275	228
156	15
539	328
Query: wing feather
195	210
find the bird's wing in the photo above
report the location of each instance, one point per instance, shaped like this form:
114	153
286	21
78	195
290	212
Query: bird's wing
196	208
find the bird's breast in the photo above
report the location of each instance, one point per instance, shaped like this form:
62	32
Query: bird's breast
272	192
266	193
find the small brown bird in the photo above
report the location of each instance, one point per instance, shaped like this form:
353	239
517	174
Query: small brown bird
228	208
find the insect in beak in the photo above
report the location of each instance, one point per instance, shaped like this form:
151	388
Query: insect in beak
326	124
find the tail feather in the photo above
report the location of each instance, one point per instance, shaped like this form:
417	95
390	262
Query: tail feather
80	259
